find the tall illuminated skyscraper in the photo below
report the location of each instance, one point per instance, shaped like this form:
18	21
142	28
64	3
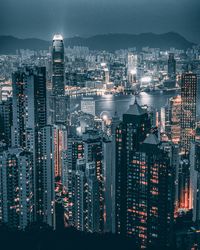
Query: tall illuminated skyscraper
129	134
93	152
58	69
86	197
174	118
150	195
171	67
29	132
132	68
16	188
188	110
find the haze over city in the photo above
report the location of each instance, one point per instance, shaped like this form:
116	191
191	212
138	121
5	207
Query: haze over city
42	18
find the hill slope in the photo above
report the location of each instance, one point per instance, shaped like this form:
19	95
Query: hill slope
109	42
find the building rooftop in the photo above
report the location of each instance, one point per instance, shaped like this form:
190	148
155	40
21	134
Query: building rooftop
151	139
136	109
57	37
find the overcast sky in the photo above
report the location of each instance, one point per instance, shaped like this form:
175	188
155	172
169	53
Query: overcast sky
43	18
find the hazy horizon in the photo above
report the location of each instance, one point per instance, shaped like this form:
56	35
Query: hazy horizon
42	18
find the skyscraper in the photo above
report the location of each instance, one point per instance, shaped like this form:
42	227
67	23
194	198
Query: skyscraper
45	194
6	121
88	105
150	195
175	118
195	180
93	152
60	144
29	132
132	68
86	197
59	110
188	110
75	150
109	166
171	67
129	134
58	69
29	106
16	188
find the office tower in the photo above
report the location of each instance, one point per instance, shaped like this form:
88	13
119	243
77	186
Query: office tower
75	150
93	152
106	77
171	67
162	120
88	105
80	194
150	199
188	110
108	185
175	118
114	124
129	134
93	219
132	68
6	121
86	197
29	106
175	159
195	180
45	177
29	132
59	107
58	66
16	188
60	144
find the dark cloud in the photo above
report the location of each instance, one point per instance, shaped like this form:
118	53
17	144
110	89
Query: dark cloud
42	18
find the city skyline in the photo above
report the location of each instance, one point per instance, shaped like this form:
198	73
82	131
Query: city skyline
100	136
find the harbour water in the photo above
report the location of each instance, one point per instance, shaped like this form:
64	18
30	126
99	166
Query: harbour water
111	103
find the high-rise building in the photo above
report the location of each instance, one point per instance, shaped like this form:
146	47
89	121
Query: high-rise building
195	180
114	124
6	121
59	107
75	150
150	195
80	195
88	105
175	118
29	106
188	110
58	66
93	208
60	144
45	194
132	68
16	188
86	197
93	152
109	166
171	67
129	134
30	133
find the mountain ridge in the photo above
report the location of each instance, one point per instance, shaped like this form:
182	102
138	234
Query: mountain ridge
108	42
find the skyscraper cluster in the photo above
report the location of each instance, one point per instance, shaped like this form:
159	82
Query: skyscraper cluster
26	167
132	176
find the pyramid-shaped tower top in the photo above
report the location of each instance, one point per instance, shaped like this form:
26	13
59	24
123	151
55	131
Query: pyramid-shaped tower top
136	109
152	139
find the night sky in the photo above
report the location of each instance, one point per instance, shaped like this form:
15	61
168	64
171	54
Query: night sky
43	18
